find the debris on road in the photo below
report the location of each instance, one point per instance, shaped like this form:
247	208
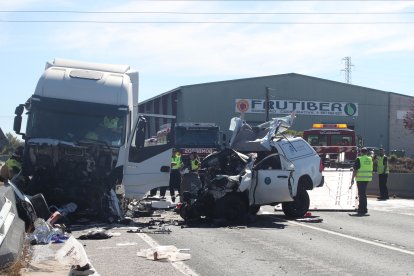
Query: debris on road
164	253
98	234
45	233
73	253
310	219
150	230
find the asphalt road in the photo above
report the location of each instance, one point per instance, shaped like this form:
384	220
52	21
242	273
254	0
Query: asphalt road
379	244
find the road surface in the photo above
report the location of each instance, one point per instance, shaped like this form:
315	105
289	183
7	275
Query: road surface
379	244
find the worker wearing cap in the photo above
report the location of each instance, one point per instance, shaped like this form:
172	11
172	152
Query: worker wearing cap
383	171
362	173
13	165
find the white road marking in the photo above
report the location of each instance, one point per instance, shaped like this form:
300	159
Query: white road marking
349	237
180	266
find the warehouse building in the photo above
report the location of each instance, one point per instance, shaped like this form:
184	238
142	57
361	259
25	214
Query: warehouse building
377	116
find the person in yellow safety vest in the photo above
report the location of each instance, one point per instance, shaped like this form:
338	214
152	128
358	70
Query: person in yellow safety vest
13	165
108	124
195	162
383	171
175	175
362	173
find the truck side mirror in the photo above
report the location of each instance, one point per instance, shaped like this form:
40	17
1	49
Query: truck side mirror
17	124
140	133
19	110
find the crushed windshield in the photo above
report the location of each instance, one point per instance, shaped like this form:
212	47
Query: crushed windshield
76	127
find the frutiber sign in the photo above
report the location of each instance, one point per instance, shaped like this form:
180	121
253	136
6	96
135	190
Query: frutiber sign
301	107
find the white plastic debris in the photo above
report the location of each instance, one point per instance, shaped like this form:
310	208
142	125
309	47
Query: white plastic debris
72	253
44	233
164	253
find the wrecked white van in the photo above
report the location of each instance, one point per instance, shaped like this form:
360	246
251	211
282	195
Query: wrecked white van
261	168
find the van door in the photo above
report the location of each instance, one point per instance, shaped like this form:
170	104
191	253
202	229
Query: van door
147	157
273	184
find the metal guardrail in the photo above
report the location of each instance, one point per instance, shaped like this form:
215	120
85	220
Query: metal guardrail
6	219
12	228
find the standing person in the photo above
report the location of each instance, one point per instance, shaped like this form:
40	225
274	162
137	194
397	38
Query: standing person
175	175
363	174
13	165
163	189
383	171
195	162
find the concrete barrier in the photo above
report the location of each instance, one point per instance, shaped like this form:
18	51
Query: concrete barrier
12	229
399	184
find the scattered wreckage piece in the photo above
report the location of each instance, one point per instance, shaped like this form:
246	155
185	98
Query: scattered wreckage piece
147	206
45	233
262	167
97	234
164	253
311	220
150	230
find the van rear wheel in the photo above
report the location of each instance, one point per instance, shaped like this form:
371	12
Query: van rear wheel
299	206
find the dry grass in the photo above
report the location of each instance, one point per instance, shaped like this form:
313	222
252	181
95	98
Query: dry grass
23	262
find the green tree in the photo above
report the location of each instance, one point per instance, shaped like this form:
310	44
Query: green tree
14	142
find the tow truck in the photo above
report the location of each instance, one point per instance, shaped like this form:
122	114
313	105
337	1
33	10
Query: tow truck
336	144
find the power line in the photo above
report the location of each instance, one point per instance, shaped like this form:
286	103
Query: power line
207	13
211	22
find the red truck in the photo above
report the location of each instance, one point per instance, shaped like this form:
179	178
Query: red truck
336	144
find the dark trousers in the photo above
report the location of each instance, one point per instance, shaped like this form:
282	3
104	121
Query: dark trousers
153	192
382	180
175	180
362	196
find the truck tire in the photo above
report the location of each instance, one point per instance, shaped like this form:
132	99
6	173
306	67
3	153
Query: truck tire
232	207
254	209
299	206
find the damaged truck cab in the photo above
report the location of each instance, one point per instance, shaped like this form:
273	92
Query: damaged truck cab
78	118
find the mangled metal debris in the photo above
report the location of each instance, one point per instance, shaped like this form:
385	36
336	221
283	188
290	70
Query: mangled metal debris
261	167
163	229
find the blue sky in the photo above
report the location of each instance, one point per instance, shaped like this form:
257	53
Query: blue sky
171	55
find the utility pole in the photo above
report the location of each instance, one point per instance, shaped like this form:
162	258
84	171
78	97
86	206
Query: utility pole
267	104
348	69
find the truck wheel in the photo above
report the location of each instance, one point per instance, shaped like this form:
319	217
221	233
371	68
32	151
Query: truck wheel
299	206
232	207
187	212
254	209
